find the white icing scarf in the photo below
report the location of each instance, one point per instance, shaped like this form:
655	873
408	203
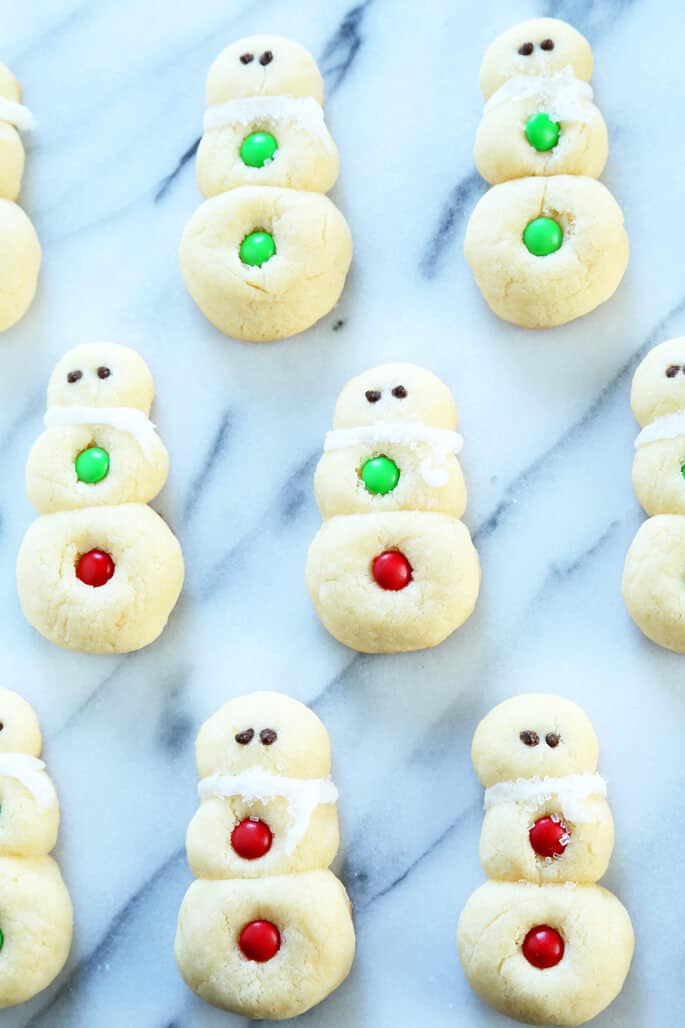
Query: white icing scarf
441	442
270	110
26	769
16	114
562	95
667	427
572	791
125	419
303	795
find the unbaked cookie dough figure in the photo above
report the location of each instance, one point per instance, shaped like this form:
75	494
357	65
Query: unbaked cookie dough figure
266	930
100	571
266	256
654	574
36	916
392	568
542	942
20	252
547	243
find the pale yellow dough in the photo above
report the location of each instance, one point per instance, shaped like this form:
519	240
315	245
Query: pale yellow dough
540	292
653	579
658	391
11	147
502	60
292	71
290	292
20	257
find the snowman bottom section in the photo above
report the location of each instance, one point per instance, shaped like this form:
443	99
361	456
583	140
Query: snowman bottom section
659	476
264	263
36	922
28	828
306	952
586	924
653	580
431	588
20	257
133	568
580	242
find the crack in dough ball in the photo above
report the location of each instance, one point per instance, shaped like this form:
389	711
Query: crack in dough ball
263	65
654	580
524	50
20	257
101	375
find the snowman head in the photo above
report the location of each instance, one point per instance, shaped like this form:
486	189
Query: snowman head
19	728
659	382
534	736
541	46
9	87
264	730
101	375
263	66
395	392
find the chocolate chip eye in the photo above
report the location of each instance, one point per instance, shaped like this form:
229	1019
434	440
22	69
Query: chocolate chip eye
529	738
552	739
547	44
672	370
268	736
2	726
266	58
243	738
400	392
103	372
74	376
246	58
373	395
526	49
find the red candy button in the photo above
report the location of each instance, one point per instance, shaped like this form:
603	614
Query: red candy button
95	568
251	839
543	947
392	570
260	941
549	837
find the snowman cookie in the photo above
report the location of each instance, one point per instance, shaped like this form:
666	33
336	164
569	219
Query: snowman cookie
266	929
541	941
267	254
392	568
100	571
36	916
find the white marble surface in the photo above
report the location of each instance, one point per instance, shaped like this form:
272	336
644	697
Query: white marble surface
117	89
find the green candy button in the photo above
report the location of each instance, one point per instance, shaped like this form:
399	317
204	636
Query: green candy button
258	148
541	132
380	475
92	465
542	236
682	470
2	939
257	248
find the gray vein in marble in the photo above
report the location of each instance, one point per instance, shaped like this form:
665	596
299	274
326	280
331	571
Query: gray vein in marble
343	47
209	466
456	209
168	180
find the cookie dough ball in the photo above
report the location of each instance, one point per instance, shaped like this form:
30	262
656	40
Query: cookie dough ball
423	589
395	392
11	146
311	249
116	614
36	920
547	250
101	375
263	65
659	475
312	926
28	827
58	477
597	939
534	735
20	257
509	135
540	46
653	580
19	728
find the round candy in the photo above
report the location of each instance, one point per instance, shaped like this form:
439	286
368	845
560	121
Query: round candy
549	837
95	568
258	148
251	839
541	132
260	941
92	465
257	248
392	570
2	939
682	469
380	475
543	946
542	236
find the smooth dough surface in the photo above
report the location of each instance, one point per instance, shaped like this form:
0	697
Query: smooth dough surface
20	257
126	613
654	580
299	285
598	939
502	59
11	147
540	292
354	609
20	731
312	913
128	384
292	71
427	398
658	390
